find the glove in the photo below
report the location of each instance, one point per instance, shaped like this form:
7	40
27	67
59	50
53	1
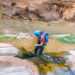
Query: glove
36	44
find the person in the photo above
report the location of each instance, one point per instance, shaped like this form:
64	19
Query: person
41	42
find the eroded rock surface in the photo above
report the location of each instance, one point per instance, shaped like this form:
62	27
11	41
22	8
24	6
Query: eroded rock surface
71	60
10	65
39	9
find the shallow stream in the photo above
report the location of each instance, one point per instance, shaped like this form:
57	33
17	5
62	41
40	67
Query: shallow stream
51	64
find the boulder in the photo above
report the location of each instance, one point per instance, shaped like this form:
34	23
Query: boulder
72	52
24	35
16	70
16	66
8	49
71	59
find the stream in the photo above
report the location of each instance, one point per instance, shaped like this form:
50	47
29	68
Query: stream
50	64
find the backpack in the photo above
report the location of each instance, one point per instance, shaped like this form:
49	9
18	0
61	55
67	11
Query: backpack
46	35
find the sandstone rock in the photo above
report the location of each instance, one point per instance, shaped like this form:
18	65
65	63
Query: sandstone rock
69	13
7	49
16	70
39	9
71	60
24	35
10	65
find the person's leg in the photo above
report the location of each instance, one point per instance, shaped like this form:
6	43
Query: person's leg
36	49
41	50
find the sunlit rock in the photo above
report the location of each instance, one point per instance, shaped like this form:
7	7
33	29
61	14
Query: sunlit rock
71	60
8	49
10	65
39	9
24	35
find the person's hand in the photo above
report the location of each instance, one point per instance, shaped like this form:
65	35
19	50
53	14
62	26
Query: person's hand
36	44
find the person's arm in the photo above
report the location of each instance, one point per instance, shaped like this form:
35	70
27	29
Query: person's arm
42	41
40	44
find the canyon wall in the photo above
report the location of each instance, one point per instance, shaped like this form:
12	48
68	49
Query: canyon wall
39	9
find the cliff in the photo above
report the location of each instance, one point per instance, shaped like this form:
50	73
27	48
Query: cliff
39	9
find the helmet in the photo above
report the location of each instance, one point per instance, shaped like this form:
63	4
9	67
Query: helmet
37	33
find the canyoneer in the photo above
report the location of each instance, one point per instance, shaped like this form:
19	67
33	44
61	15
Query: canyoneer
43	38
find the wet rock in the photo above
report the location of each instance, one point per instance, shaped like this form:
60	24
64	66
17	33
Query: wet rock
49	73
24	35
8	49
53	59
61	72
46	56
16	66
71	60
49	60
72	52
66	69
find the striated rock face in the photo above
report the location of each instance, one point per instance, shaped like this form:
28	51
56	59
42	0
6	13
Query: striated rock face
36	9
16	66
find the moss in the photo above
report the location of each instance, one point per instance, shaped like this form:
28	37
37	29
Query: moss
22	52
15	38
1	13
8	37
68	39
5	37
